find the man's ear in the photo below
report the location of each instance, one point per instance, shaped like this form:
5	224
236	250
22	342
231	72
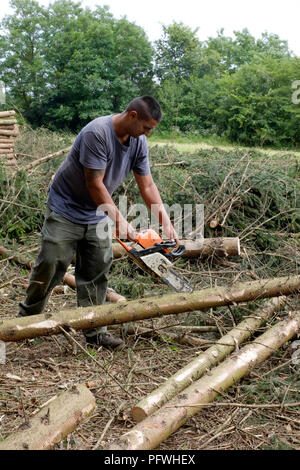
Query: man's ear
133	114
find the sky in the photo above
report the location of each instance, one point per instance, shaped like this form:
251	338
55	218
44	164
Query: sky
281	17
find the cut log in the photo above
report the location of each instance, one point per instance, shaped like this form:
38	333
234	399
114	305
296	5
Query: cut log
151	307
6	151
11	162
46	158
111	294
222	247
56	420
8	132
4	114
212	356
69	279
8	127
5	253
156	428
7	141
214	223
9	145
7	122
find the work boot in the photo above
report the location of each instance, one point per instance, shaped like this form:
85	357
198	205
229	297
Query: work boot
107	340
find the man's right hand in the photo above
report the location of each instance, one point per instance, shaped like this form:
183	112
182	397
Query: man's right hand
125	231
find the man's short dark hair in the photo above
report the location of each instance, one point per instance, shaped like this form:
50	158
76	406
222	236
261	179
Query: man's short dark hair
146	107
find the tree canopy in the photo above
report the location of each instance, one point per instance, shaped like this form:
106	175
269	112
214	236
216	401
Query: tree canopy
64	64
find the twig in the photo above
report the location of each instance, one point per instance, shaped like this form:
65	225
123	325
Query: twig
98	443
97	362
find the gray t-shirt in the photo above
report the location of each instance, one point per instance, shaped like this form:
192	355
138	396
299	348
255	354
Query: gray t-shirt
96	147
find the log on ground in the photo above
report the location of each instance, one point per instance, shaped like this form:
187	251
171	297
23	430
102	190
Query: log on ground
111	294
53	422
123	312
212	356
150	432
222	247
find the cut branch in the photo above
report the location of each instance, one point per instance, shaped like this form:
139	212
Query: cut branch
212	356
55	420
222	247
123	312
46	158
156	428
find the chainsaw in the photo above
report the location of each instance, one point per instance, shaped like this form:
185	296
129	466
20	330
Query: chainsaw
153	255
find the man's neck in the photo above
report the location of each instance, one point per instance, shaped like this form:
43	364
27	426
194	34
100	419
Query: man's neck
120	128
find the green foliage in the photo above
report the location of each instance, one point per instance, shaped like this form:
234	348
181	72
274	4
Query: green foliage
64	65
75	63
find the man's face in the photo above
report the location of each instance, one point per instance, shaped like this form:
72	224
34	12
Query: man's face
139	127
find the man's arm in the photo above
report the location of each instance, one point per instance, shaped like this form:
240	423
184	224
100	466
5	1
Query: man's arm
151	196
101	197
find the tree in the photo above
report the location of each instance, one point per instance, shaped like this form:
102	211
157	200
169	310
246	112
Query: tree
177	52
22	67
75	63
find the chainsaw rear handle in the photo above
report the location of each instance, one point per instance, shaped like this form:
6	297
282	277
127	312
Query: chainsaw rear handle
176	253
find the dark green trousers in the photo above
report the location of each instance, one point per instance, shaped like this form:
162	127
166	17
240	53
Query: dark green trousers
60	240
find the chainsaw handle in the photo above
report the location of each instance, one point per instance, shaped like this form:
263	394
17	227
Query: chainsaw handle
175	254
127	248
168	244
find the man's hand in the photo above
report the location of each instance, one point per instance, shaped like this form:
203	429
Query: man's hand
151	196
124	230
170	232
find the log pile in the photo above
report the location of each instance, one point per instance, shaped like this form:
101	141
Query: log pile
9	130
153	430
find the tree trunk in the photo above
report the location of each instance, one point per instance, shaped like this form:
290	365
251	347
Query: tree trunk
151	307
55	420
46	158
212	356
4	114
194	248
156	428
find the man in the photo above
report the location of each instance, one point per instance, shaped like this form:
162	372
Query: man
103	154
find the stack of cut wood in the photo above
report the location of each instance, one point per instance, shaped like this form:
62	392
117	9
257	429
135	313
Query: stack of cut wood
8	132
